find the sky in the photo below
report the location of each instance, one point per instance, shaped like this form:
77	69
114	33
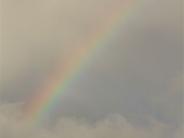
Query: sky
131	87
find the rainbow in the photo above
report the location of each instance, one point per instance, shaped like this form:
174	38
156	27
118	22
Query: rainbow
59	81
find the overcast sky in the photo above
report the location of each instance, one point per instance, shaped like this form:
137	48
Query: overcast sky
132	87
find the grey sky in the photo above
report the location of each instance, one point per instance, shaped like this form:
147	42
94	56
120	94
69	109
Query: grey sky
138	74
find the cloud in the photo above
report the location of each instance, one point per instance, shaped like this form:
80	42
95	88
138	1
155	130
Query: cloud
12	126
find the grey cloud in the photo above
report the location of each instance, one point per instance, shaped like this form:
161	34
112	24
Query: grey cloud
13	127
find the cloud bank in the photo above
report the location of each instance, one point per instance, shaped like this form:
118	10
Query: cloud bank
12	126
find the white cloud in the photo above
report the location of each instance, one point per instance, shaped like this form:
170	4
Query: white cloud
12	126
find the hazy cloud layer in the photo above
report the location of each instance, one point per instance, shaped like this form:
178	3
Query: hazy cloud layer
11	126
